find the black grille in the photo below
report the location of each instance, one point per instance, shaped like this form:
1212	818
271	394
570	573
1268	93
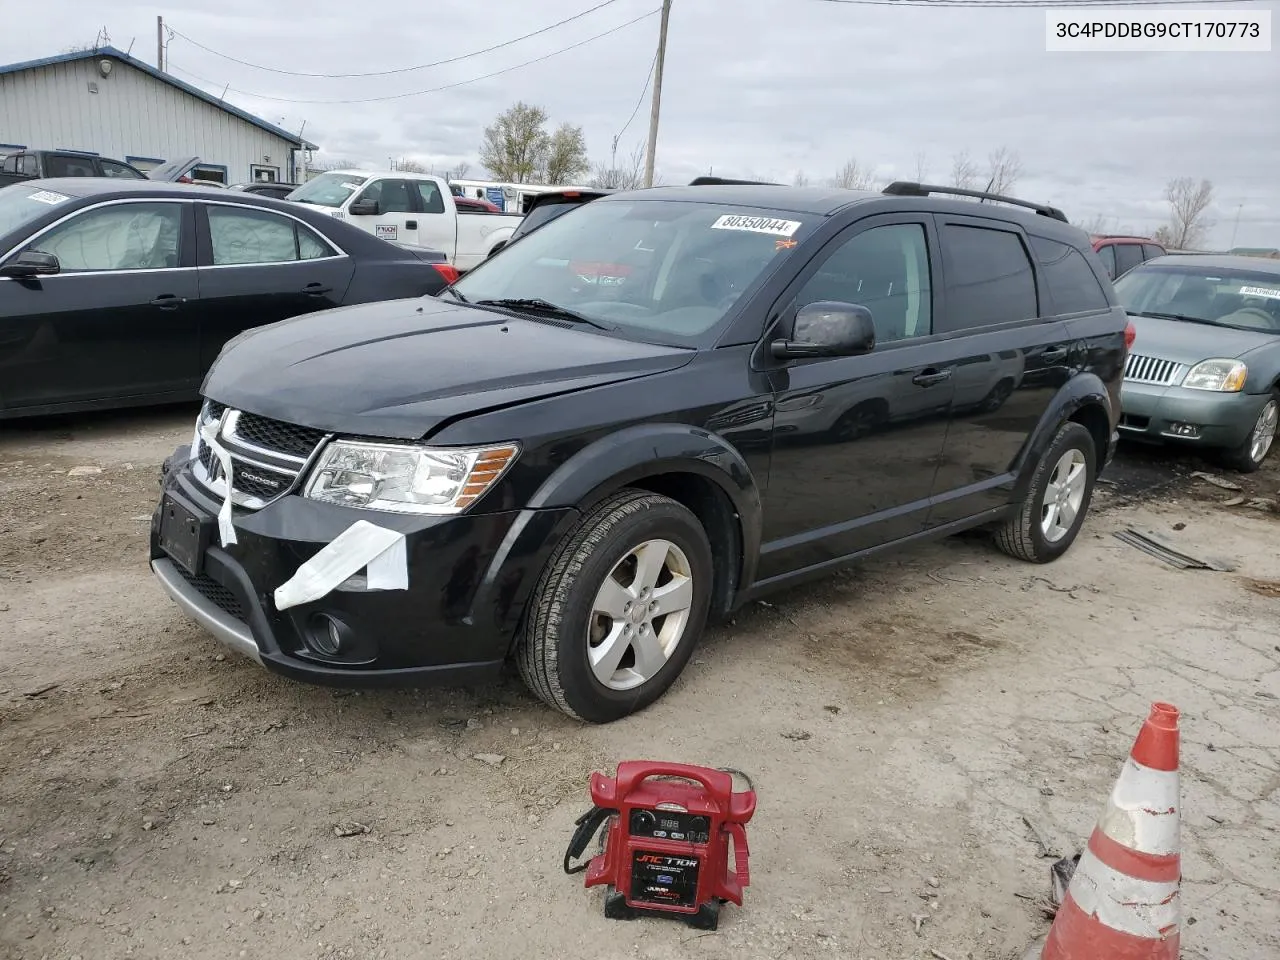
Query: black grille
274	435
262	489
215	409
215	593
209	461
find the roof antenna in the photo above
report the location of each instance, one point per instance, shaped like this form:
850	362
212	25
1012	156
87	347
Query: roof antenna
990	183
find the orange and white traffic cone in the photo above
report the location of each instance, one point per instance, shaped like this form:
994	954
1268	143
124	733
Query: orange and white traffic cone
1122	902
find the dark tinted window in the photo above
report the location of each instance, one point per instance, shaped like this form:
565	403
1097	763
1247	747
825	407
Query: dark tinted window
1108	255
113	168
543	213
1150	251
886	269
1128	256
432	202
1073	287
64	166
989	277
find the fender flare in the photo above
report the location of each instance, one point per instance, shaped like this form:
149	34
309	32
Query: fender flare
1082	390
622	458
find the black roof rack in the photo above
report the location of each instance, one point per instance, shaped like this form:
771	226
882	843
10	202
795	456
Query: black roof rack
723	181
905	188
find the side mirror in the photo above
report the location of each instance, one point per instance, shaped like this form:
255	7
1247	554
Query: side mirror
365	208
497	246
828	328
31	264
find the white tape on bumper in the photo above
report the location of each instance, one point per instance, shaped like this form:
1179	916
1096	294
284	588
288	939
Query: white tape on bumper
1141	908
362	546
1142	811
226	532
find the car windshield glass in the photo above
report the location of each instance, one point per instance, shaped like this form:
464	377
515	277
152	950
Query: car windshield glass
662	270
543	214
20	204
328	189
1228	297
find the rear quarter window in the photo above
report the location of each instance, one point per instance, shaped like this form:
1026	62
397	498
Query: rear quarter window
1072	285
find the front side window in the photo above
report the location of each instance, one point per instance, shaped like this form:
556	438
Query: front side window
886	270
242	236
1108	255
664	270
1128	256
990	279
1243	299
124	236
328	189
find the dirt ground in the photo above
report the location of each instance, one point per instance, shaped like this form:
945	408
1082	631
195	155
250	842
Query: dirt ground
159	799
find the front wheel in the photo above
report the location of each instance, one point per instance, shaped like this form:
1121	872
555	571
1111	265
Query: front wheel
619	608
1054	508
1250	455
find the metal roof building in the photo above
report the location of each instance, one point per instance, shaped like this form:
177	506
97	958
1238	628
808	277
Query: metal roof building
106	102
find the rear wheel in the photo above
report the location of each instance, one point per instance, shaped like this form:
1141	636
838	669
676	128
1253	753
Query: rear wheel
1250	454
619	608
1054	508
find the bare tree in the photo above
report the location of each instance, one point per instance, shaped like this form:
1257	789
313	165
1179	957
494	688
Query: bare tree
1189	221
324	166
964	172
460	170
1097	224
1004	169
922	167
852	176
801	179
625	175
411	166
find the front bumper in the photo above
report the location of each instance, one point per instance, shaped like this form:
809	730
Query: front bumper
469	578
1199	417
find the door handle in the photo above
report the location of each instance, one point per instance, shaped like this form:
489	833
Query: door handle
168	301
316	290
1054	354
411	224
930	377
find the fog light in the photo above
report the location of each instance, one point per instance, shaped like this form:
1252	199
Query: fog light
326	635
1184	429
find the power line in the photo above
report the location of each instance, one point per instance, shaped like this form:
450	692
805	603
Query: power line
388	73
640	100
417	93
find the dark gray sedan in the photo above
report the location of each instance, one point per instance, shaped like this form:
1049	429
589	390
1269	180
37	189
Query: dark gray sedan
1205	368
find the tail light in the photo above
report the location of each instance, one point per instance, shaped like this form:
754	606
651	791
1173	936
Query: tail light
448	271
1130	335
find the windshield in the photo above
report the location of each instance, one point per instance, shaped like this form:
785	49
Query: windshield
328	189
1240	298
20	204
670	267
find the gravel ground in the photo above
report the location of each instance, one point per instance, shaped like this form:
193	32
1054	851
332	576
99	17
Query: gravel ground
160	799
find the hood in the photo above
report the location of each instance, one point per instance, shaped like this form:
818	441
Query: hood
174	170
400	368
1190	343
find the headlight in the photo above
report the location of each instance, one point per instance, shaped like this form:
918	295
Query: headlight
1225	376
402	478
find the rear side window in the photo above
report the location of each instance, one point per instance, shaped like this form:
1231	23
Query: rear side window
1150	251
1128	256
1108	255
989	278
1073	287
65	166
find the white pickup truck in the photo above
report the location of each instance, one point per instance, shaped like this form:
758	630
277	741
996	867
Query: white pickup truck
413	208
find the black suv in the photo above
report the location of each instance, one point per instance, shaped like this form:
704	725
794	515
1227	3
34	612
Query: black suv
638	418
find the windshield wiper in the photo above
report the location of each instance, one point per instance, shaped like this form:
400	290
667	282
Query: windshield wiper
1185	318
537	305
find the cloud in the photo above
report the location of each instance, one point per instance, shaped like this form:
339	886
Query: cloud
762	86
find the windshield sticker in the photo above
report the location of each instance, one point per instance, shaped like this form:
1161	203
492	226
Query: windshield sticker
1268	292
350	186
777	228
783	244
386	231
47	196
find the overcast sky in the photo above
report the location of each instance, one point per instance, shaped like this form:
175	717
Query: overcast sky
761	87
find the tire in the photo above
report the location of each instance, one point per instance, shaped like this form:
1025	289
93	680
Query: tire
1024	534
1253	450
563	625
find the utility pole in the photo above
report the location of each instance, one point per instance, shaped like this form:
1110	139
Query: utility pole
160	43
657	94
1236	228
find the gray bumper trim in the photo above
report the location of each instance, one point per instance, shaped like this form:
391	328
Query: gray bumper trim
226	629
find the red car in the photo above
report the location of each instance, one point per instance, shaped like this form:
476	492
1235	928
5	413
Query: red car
475	205
1120	254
